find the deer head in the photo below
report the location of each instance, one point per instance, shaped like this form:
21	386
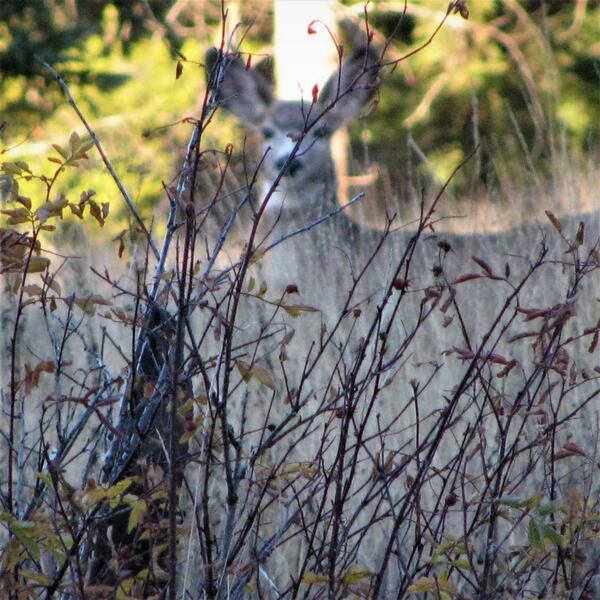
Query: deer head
296	135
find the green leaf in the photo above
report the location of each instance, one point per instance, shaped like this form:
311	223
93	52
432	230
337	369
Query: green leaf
547	508
462	563
12	168
513	501
551	534
23	531
534	534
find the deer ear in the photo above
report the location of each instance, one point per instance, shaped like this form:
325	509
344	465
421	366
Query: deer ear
350	88
242	91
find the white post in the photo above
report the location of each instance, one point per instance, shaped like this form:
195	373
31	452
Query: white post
301	60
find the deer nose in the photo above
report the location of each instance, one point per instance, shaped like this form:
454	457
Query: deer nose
293	167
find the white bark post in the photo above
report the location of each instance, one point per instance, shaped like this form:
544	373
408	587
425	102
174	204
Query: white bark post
301	60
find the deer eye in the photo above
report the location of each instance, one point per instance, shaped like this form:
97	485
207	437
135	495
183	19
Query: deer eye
267	133
322	131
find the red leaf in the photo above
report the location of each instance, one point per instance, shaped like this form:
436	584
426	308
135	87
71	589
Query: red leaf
573	449
580	233
496	358
400	284
484	265
557	224
507	369
311	30
594	343
315	93
466	277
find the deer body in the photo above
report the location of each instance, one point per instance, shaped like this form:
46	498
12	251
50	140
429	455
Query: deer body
411	313
299	188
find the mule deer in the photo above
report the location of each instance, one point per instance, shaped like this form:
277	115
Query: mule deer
414	322
299	187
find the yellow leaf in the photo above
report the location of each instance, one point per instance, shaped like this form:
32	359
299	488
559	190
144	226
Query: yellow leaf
37	264
85	146
74	142
187	437
256	257
97	299
422	585
186	407
32	576
138	510
356	575
12	168
61	151
33	289
23	165
249	372
312	578
52	284
17	215
295	310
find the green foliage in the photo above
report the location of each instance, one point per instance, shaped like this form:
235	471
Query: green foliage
514	69
124	93
28	217
519	77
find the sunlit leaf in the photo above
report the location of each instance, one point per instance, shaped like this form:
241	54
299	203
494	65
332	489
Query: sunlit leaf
74	141
61	151
37	264
249	372
138	510
355	575
295	310
11	168
422	585
311	578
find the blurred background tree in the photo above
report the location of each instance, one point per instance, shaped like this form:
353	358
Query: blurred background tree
520	77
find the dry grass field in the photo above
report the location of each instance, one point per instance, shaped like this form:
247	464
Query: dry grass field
281	397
